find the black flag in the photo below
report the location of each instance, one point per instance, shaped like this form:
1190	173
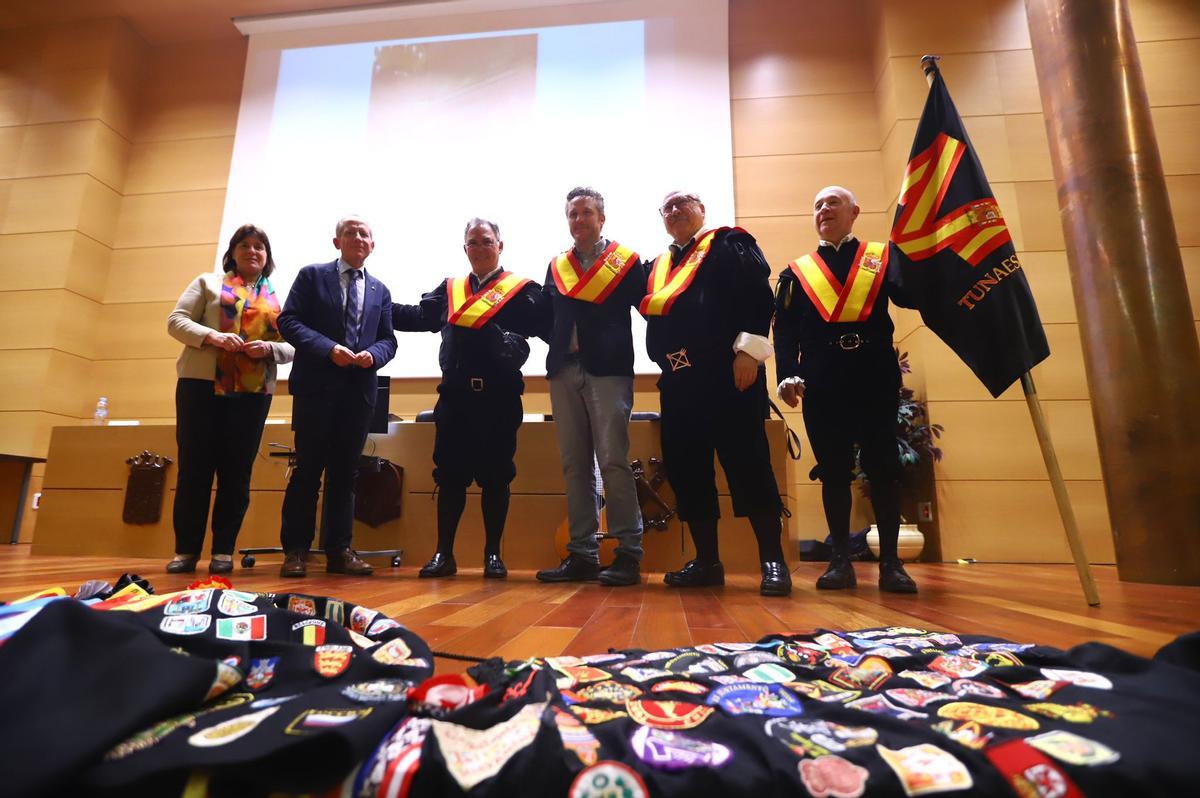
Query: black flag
956	255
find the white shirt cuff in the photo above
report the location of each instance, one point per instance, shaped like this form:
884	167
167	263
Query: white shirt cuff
785	383
756	346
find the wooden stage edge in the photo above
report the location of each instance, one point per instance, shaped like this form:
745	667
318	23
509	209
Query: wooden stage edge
521	617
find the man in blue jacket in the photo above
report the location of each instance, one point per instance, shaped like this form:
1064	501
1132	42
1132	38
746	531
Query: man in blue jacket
339	318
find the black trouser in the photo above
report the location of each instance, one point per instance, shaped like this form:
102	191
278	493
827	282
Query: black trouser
476	435
331	429
838	417
702	413
216	435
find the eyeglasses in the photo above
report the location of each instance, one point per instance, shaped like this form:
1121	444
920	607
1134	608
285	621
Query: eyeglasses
679	202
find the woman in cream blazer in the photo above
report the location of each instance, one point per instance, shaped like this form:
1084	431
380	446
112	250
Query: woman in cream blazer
228	325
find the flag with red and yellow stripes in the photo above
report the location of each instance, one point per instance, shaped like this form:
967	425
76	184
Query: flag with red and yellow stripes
956	255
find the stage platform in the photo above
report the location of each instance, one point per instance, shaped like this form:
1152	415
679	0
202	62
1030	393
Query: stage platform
86	474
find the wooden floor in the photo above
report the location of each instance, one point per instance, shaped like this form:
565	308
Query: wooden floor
521	617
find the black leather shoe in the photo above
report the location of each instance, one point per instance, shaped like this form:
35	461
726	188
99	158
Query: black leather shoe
182	565
216	566
839	575
776	581
493	567
894	579
623	572
294	564
573	568
696	574
439	565
347	562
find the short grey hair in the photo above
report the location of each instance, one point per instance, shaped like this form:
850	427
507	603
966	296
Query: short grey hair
588	192
345	220
477	221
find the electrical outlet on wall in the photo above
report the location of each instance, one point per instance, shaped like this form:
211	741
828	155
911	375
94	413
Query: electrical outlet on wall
924	511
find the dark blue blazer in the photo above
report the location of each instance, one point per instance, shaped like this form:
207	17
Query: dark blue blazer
313	321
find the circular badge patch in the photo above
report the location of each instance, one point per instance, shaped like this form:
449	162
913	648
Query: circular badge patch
667	714
608	779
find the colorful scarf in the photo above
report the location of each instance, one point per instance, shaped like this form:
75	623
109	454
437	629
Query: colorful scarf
253	313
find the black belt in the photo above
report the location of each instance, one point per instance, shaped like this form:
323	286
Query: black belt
849	342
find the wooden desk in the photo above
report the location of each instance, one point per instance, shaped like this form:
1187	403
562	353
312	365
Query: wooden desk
84	491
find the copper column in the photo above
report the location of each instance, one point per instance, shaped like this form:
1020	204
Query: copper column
1139	341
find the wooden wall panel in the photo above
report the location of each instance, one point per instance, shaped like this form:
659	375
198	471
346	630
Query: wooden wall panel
991	440
1165	19
1060	376
1178	131
139	389
47	319
1049	277
157	274
163	220
43	380
19	252
179	165
805	124
135	331
193	91
1018	521
1169	67
16	96
1191	268
1184	191
27	433
784	185
966	26
87	269
779	49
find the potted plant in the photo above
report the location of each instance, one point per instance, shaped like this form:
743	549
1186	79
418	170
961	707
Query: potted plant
916	444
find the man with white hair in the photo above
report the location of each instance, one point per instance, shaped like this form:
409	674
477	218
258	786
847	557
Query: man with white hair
833	343
339	318
708	311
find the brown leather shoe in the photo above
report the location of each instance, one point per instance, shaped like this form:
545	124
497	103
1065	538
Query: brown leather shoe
294	564
347	561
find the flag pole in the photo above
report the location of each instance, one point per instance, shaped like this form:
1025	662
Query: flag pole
1074	541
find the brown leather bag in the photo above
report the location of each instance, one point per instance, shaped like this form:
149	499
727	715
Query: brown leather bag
378	490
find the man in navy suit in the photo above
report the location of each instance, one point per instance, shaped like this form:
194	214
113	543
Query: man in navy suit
339	318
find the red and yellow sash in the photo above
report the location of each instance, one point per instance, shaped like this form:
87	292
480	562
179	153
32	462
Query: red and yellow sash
852	301
666	284
599	281
468	309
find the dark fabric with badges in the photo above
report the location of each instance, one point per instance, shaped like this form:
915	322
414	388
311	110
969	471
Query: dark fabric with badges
73	682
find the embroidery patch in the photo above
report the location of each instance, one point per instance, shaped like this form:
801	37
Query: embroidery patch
608	779
316	720
925	768
667	714
229	730
986	715
253	627
671	751
818	738
830	776
473	755
1068	747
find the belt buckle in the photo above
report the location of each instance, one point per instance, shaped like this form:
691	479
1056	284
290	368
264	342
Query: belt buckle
850	341
678	360
476	384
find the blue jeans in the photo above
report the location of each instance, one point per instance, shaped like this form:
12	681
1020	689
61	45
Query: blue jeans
591	417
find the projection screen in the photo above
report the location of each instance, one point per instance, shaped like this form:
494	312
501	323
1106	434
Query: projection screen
419	117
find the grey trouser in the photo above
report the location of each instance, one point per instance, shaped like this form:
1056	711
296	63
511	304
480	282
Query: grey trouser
591	417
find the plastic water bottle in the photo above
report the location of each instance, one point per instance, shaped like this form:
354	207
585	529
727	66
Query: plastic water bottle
100	417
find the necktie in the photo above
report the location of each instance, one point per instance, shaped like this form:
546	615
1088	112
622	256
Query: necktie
352	310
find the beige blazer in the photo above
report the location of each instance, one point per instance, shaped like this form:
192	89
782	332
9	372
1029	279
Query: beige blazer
196	314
